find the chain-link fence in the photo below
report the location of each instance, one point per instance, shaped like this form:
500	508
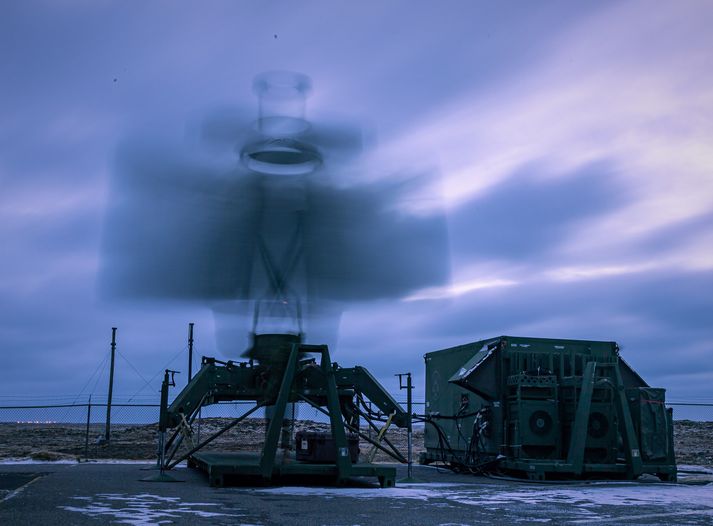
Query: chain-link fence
71	431
697	412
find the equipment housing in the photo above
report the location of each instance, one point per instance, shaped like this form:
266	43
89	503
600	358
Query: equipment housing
545	409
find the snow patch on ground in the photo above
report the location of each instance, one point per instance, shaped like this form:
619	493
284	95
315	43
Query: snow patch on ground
144	509
14	461
586	499
695	469
24	460
588	496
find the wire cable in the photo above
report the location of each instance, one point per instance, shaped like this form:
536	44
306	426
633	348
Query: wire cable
100	365
148	383
134	368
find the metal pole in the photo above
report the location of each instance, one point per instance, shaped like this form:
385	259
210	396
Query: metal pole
161	451
162	427
162	420
190	352
86	436
409	421
409	387
107	434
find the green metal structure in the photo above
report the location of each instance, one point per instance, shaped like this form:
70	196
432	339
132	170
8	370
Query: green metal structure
545	409
281	370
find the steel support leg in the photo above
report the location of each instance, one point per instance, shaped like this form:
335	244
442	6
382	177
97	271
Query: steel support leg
578	439
267	462
344	461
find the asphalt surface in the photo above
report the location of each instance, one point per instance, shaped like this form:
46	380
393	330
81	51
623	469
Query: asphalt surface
69	494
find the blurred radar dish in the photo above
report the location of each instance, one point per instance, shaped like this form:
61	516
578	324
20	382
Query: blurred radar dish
282	231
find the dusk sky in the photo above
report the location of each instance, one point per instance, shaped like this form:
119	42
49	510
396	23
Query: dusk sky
570	145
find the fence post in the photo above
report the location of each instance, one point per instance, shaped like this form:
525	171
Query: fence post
190	352
86	436
107	434
409	390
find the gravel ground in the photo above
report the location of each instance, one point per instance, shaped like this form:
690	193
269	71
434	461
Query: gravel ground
693	440
44	441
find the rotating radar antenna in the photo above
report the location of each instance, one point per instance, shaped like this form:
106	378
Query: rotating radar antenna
280	235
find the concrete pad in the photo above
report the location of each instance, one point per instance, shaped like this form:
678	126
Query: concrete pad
63	494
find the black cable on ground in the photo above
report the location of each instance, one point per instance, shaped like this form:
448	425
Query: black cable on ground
472	463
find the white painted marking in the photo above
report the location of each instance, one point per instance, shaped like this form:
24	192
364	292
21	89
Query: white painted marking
14	493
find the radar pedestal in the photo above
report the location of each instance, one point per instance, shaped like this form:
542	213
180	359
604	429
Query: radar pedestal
288	371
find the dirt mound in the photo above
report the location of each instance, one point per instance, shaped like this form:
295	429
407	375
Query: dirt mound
51	456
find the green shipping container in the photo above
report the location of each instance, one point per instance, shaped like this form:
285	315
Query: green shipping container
544	408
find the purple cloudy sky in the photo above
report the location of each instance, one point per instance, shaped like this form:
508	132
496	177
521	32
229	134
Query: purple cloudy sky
573	143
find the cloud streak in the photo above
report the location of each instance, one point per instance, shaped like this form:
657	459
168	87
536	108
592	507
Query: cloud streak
573	143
